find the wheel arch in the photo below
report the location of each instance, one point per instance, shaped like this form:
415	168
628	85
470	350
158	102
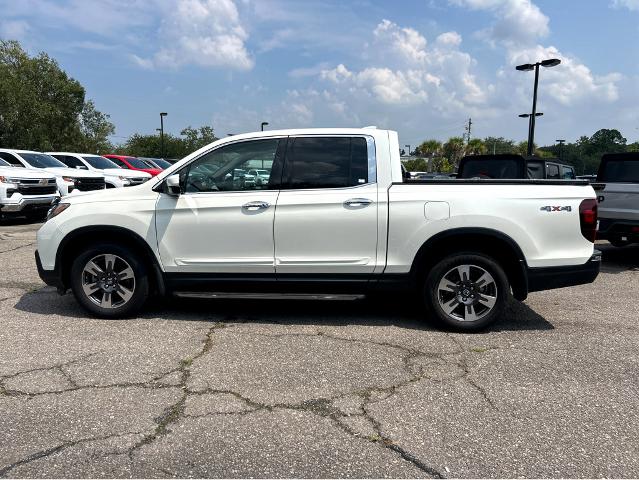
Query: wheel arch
84	236
499	246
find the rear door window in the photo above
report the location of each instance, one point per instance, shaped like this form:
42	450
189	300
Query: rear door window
552	171
329	162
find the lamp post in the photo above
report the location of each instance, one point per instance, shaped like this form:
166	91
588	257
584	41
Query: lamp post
408	146
551	62
529	117
262	125
561	142
162	115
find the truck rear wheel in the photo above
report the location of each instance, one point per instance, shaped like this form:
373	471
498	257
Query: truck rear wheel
466	291
108	280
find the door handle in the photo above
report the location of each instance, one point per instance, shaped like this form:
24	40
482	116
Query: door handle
254	206
357	202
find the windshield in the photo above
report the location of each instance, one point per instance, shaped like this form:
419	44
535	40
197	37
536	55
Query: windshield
161	163
137	163
3	163
100	162
40	160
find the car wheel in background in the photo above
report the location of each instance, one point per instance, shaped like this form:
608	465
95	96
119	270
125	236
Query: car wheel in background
109	280
466	291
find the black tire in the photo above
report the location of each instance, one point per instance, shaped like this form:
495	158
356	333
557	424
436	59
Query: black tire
449	270
139	286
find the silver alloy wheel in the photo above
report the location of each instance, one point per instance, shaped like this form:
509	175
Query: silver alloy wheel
467	293
108	281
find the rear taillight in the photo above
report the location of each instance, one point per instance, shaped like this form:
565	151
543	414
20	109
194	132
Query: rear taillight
588	219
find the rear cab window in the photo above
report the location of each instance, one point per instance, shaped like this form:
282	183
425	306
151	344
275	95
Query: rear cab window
621	168
552	171
329	162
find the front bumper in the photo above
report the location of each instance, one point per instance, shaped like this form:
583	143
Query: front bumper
50	277
547	278
26	204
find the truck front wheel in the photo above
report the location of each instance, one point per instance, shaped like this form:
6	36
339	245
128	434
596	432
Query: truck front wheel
466	291
109	280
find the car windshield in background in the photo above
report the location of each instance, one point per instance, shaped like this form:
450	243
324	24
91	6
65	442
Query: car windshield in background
100	162
506	168
137	163
40	160
4	164
622	171
161	163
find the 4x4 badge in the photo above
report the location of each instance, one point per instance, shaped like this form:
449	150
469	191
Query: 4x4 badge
556	209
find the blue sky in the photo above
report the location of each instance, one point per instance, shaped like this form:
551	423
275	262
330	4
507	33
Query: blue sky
422	67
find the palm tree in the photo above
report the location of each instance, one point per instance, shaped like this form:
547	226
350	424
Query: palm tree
430	148
454	150
476	146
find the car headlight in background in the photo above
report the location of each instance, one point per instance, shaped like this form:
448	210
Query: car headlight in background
69	179
57	209
125	180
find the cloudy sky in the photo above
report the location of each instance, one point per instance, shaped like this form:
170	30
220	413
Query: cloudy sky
422	67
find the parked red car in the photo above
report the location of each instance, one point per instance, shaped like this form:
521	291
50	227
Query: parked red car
132	163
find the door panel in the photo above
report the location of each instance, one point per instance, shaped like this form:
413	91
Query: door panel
316	231
216	233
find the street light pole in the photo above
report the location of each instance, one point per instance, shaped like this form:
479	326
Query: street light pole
264	124
561	148
530	126
551	62
162	115
408	146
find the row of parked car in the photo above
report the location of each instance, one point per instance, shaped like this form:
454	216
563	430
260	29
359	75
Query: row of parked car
30	182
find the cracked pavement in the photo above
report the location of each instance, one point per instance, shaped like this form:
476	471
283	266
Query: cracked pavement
312	389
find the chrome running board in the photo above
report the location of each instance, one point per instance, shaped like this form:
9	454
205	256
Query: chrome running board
269	296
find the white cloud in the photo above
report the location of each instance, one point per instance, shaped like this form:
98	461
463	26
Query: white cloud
629	4
207	33
14	29
449	39
516	21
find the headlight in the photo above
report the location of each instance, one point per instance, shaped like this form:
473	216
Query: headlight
69	179
8	180
57	210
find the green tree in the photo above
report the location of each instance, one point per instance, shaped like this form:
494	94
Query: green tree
499	145
476	146
416	165
174	147
42	108
429	148
197	138
454	150
441	164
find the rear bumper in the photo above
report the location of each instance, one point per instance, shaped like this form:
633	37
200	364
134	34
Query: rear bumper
547	278
50	277
613	229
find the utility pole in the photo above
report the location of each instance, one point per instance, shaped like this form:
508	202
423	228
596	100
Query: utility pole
470	124
162	115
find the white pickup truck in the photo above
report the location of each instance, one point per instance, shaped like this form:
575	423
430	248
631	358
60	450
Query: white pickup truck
26	192
335	218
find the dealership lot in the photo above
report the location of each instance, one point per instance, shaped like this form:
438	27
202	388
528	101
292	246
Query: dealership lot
308	389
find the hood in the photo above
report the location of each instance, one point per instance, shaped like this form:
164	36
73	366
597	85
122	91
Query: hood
128	194
72	172
14	172
124	172
152	171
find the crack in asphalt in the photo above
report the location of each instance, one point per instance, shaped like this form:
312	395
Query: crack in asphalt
63	446
16	248
322	407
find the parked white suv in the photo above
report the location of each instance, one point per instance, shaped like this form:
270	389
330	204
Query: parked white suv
114	176
68	179
335	218
24	191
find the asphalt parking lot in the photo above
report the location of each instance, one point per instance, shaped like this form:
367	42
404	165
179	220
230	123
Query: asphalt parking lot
312	389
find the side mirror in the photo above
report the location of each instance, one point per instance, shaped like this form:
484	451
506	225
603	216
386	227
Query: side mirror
173	185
